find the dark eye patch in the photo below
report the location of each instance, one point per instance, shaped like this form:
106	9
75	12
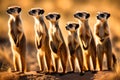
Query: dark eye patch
34	11
88	15
77	26
51	16
70	25
12	10
41	12
102	15
108	15
80	14
19	10
58	16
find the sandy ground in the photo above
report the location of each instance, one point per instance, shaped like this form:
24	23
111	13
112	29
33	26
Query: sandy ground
33	75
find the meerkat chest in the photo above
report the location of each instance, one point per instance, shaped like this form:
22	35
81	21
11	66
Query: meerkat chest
73	40
39	30
84	32
101	31
54	33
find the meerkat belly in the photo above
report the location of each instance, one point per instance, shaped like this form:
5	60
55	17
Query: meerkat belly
55	41
72	45
45	41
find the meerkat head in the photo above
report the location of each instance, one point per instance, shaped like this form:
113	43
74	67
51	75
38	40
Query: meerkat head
103	16
82	16
14	11
72	27
36	12
53	17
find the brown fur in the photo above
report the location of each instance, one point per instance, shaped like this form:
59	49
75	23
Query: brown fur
57	42
17	40
86	38
42	39
104	45
74	45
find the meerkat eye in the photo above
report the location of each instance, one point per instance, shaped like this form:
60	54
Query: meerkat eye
41	12
12	10
80	14
70	25
102	15
51	16
58	16
34	11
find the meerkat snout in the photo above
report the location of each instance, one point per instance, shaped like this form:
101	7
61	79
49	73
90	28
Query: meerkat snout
12	10
103	15
35	12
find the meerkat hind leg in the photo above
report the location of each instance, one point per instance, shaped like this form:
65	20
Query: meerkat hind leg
42	62
100	56
109	60
93	57
64	61
73	62
16	62
88	61
49	63
40	58
80	61
57	64
23	63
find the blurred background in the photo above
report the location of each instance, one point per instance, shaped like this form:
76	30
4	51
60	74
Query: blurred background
66	8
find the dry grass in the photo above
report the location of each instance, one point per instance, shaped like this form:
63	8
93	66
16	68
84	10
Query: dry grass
5	61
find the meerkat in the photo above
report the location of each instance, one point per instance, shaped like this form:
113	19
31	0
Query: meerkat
17	38
42	39
103	41
57	42
86	38
74	45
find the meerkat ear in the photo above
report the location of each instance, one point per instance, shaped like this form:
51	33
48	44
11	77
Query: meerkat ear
88	15
108	15
58	16
77	26
19	10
